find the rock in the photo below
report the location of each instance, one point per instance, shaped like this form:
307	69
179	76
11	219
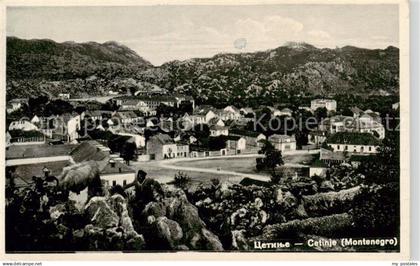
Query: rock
263	216
239	241
135	243
301	212
151	219
186	215
114	239
211	241
289	200
258	203
326	186
100	213
182	247
169	231
80	198
279	196
149	190
207	200
57	211
155	209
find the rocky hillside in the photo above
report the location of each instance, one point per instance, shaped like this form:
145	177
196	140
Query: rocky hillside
287	69
33	59
45	67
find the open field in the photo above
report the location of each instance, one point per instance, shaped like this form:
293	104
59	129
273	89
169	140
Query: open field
231	169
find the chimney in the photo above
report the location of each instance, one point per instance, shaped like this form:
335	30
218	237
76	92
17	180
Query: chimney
112	163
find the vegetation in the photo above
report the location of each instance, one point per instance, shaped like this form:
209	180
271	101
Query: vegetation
181	180
272	159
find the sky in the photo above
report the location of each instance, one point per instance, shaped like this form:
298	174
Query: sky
163	33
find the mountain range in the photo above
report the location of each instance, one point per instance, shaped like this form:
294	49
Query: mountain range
45	67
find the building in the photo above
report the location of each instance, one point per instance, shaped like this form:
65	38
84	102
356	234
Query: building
318	168
64	96
146	103
236	143
253	139
20	137
330	105
161	146
366	123
229	113
117	173
216	130
128	117
285	112
247	111
283	142
330	157
317	137
23	125
353	143
15	104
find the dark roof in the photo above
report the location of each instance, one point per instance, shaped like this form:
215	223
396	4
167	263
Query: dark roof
353	138
36	151
359	158
118	168
87	151
163	138
242	132
318	164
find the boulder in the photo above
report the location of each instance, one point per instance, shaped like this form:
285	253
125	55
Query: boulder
239	241
326	185
155	209
57	211
168	231
100	213
205	240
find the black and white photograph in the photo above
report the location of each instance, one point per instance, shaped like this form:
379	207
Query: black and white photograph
177	128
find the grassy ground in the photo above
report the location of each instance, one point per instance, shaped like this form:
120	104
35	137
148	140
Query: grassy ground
239	165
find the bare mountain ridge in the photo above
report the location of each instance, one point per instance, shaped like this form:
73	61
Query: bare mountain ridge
296	68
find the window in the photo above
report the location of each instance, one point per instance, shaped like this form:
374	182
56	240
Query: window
114	183
338	147
124	182
370	148
346	148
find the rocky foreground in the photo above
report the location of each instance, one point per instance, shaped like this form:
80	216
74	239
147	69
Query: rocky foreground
151	216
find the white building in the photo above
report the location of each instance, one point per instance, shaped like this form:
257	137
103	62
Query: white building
356	143
117	173
330	105
22	125
217	130
283	142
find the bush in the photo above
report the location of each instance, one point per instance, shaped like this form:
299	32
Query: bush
181	180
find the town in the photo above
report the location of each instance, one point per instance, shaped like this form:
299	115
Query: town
127	132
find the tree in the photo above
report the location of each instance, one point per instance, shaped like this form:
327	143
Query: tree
271	160
321	113
128	151
58	107
201	131
385	166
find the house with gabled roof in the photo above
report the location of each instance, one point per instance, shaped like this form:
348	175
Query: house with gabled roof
353	142
161	146
283	142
